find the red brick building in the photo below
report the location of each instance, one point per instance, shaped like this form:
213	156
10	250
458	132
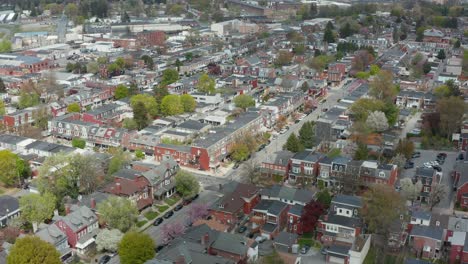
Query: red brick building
18	65
426	242
78	223
294	219
457	243
238	200
272	216
460	180
151	38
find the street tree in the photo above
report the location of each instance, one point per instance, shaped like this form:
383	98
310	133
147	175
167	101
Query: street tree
118	213
120	159
206	84
410	190
306	134
240	151
36	208
377	121
33	250
293	144
121	91
442	91
13	168
186	184
281	121
310	215
244	101
451	112
382	206
108	240
438	192
188	103
251	171
405	147
129	123
171	105
73	108
197	211
381	86
136	248
283	58
149	101
361	60
140	115
170	231
320	62
27	100
139	154
374	69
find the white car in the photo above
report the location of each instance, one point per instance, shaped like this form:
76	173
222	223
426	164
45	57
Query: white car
427	165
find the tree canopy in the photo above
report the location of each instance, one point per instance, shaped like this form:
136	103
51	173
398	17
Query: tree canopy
33	250
149	101
169	76
381	86
121	91
136	248
244	101
306	135
206	84
118	213
186	184
36	208
188	103
13	168
73	108
171	105
108	240
293	144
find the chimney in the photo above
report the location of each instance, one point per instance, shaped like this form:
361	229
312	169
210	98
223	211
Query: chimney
93	203
205	239
67	209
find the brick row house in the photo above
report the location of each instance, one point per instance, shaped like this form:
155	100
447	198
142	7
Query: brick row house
460	183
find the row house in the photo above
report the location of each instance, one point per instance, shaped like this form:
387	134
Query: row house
336	73
46	149
415	99
9	209
377	43
91	96
106	114
131	185
19	65
332	125
182	154
103	136
304	166
239	199
342	224
144	142
427	242
271	215
201	63
22	117
460	182
14	143
58	108
287	195
80	225
69	126
294	219
56	237
429	178
277	164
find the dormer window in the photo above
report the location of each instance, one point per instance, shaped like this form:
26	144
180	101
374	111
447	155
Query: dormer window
437	223
382	174
221	205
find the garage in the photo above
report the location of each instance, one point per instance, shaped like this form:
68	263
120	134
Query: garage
337	254
337	260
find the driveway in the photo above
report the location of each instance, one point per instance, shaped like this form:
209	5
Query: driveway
447	167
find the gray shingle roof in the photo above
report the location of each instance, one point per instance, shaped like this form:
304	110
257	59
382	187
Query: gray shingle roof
8	203
355	201
272	207
232	243
428	232
286	238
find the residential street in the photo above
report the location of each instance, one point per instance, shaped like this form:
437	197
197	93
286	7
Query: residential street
277	144
206	197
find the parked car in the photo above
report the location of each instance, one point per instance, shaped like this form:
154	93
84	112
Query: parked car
104	259
324	251
460	156
159	247
168	214
325	110
304	249
416	155
187	201
236	165
442	154
195	197
242	229
437	168
409	165
158	221
260	239
178	207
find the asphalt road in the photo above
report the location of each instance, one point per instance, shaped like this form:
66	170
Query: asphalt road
447	167
277	144
206	197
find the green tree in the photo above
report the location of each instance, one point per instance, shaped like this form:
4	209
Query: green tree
346	30
2	86
306	135
169	76
13	168
78	143
71	10
148	101
362	153
28	99
148	61
441	54
405	147
420	34
119	159
120	62
442	91
2	108
188	103
320	62
119	213
92	67
381	87
130	123
324	198
244	101
186	184
140	115
240	152
362	75
178	64
206	84
451	112
121	91
283	58
136	248
171	105
374	69
33	250
5	46
73	108
36	208
328	35
456	44
293	144
139	154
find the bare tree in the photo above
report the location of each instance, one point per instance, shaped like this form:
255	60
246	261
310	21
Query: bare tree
438	192
251	171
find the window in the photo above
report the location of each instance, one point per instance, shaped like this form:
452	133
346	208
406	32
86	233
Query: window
426	189
341	211
295	227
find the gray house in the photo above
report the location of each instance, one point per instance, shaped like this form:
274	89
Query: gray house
9	209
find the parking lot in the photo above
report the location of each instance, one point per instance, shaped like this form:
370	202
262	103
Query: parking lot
447	167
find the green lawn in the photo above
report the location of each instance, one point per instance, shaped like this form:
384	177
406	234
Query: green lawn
389	259
307	239
151	215
171	201
162	208
141	223
334	153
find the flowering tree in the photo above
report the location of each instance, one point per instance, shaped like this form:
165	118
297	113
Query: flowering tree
171	230
197	211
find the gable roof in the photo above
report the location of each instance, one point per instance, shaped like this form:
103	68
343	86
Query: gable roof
232	243
286	238
270	206
8	204
427	232
288	193
80	217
